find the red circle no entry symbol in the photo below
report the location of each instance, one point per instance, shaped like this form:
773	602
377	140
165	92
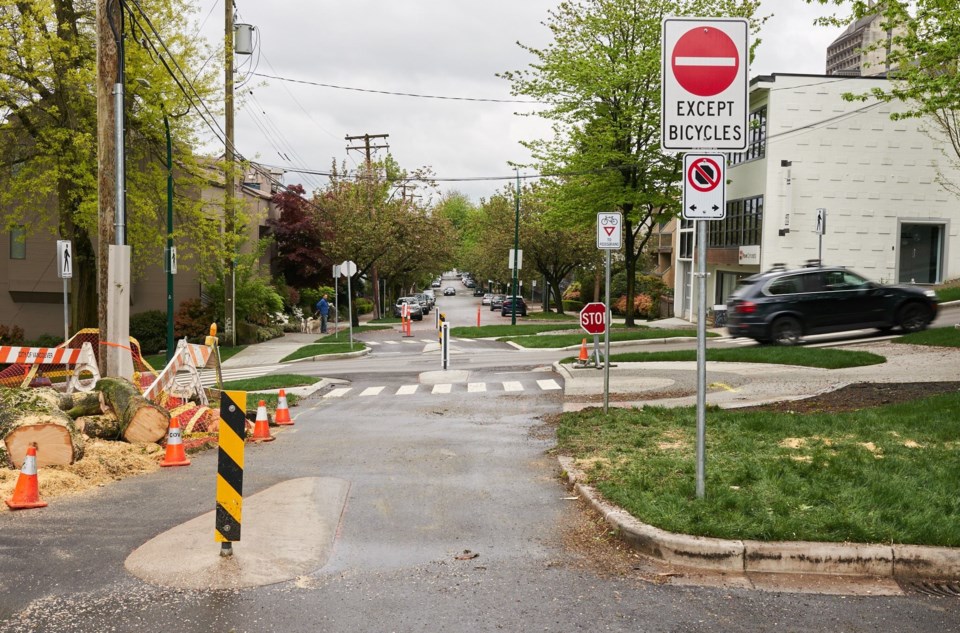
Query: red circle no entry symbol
705	61
704	174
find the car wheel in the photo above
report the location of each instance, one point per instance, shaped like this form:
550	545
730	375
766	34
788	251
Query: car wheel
786	331
913	317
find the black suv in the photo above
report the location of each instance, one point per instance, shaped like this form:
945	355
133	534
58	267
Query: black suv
781	306
506	308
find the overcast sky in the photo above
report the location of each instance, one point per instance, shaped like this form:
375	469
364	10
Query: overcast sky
426	47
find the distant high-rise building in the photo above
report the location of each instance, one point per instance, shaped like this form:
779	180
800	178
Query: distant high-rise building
856	54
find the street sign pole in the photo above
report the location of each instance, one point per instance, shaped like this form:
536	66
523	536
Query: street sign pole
701	354
65	271
606	343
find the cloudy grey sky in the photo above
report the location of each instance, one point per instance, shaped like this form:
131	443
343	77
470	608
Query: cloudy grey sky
425	47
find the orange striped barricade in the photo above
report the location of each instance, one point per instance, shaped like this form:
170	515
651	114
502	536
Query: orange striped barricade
81	359
188	358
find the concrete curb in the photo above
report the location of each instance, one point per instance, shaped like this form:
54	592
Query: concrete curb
843	559
363	352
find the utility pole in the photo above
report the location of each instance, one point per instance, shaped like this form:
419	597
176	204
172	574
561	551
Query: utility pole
113	255
229	210
108	64
368	148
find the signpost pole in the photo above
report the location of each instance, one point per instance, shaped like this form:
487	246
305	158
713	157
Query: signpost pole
606	343
701	354
350	311
66	313
336	301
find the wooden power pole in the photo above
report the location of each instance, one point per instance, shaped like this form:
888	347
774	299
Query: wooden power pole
368	149
229	208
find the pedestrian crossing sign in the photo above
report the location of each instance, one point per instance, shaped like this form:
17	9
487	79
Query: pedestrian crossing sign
64	259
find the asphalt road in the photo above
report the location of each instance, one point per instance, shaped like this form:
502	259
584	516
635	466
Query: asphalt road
433	480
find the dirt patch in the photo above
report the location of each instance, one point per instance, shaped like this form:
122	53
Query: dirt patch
103	462
861	395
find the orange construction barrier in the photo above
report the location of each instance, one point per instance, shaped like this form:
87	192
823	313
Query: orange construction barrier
175	455
261	428
282	416
26	494
584	356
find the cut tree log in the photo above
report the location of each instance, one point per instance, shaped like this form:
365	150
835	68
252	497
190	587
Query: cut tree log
82	403
105	426
141	421
33	416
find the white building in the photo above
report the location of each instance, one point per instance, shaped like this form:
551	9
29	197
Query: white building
887	216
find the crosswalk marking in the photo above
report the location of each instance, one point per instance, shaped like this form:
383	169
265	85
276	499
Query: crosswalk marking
427	340
442	388
391	342
371	391
338	392
549	385
476	387
512	385
407	390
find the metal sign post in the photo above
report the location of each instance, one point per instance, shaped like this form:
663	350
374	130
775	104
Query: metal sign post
65	272
701	355
609	237
336	301
348	269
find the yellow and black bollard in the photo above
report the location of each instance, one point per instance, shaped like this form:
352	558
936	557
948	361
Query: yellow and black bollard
233	405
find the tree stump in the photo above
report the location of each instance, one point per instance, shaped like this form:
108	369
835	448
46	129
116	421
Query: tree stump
33	416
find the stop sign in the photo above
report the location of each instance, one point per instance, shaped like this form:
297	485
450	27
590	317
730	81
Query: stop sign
593	318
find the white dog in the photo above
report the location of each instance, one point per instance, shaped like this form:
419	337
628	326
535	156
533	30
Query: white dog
309	326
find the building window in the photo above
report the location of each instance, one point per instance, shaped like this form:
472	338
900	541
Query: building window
741	227
18	242
756	138
686	240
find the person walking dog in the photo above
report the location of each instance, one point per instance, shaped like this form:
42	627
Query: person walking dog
323	307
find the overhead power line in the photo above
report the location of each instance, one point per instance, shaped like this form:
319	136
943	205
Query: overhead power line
392	93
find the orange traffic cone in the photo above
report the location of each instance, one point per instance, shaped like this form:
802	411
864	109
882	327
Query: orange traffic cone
175	455
584	356
282	416
26	494
261	428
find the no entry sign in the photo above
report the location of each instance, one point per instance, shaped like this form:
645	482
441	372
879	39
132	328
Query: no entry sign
704	91
704	187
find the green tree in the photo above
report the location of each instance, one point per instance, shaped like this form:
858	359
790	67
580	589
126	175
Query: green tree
923	53
48	130
599	81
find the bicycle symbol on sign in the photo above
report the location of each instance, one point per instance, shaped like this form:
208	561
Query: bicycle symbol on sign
612	220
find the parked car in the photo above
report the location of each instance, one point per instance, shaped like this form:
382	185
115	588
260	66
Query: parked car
496	301
507	308
478	292
781	306
424	302
486	299
435	284
431	296
449	291
416	312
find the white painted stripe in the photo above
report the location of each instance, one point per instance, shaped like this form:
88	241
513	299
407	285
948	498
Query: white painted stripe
428	340
548	385
337	393
407	390
371	391
476	387
705	61
391	342
372	343
512	385
442	388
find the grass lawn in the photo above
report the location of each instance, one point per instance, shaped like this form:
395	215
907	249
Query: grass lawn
493	331
949	293
806	357
881	475
938	337
616	334
321	349
274	381
269	399
553	316
159	361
